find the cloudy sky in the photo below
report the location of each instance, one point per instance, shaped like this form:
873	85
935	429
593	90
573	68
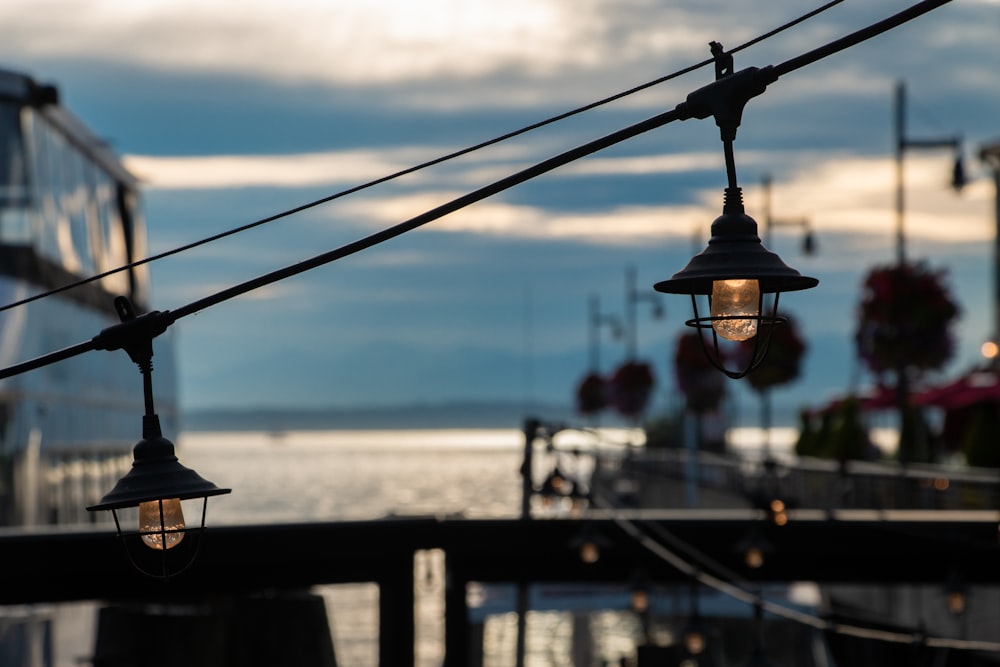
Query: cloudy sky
233	111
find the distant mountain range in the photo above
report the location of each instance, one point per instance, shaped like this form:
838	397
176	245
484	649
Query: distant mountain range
417	416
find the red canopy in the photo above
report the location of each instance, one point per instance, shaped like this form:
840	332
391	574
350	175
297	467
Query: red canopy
976	387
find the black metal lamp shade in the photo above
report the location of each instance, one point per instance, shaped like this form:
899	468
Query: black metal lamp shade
735	252
156	474
156	484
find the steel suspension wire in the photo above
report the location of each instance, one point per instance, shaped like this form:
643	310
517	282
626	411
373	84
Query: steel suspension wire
415	168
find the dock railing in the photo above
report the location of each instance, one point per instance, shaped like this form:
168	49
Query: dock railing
677	478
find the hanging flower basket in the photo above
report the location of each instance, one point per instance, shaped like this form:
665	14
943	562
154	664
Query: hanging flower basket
904	319
701	383
631	387
784	357
591	394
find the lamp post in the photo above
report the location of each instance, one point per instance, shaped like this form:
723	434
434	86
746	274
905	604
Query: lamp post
597	319
632	297
902	143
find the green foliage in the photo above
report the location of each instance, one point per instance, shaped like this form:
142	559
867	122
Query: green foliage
841	433
807	443
848	437
980	443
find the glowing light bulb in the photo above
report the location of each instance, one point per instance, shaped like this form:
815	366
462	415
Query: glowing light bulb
956	603
736	297
640	601
694	642
754	557
589	552
153	532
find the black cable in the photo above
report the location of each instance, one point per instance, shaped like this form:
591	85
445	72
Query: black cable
414	168
858	36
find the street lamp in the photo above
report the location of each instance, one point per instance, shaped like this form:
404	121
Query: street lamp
902	143
735	272
632	297
157	482
598	319
694	634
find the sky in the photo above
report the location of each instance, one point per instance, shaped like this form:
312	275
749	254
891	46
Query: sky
230	112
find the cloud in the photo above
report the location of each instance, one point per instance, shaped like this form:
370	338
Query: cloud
355	167
300	170
857	195
839	194
360	42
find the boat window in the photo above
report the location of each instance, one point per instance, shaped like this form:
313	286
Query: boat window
76	247
67	182
15	198
46	163
13	166
113	242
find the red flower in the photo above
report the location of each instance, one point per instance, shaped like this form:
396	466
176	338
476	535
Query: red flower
784	356
697	378
904	319
591	395
631	387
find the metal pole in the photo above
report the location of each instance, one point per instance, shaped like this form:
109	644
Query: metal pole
996	246
531	426
904	453
631	337
595	339
899	122
397	634
902	142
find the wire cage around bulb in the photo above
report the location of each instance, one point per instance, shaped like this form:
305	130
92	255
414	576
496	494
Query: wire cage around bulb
151	497
736	274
